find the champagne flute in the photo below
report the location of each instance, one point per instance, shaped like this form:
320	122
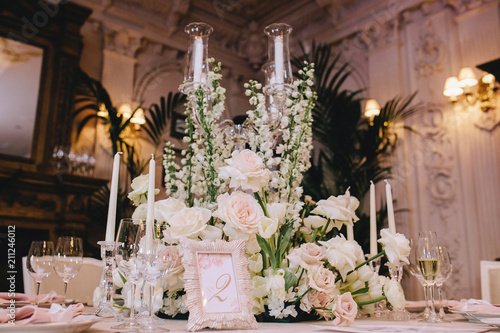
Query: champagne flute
130	231
415	271
39	262
429	262
68	259
445	272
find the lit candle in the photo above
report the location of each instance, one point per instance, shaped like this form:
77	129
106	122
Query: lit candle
113	194
197	59
150	217
350	232
278	59
390	209
373	221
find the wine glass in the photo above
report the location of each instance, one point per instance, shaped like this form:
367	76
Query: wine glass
68	259
130	231
445	272
156	258
429	261
39	262
415	271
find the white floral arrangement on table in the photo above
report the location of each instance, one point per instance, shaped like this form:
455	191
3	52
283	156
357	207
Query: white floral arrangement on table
254	194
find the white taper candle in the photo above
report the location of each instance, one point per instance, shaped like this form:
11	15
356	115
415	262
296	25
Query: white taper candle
113	196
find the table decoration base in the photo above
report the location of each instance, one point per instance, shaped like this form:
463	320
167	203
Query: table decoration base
105	306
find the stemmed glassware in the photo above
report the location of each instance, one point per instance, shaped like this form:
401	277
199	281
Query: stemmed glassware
415	271
130	231
156	259
68	259
429	261
39	262
445	272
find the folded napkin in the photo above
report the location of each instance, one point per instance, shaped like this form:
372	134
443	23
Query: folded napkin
31	314
473	305
51	297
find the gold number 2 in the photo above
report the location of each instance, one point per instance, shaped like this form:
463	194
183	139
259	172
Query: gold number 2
221	284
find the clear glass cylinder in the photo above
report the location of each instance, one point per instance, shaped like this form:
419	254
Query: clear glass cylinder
197	66
279	54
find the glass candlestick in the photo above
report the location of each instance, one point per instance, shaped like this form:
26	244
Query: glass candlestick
108	252
398	314
380	309
197	66
278	70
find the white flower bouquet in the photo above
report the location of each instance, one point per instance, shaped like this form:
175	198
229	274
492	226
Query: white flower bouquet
298	260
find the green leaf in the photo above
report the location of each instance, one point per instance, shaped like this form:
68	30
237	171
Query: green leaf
122	277
267	249
290	279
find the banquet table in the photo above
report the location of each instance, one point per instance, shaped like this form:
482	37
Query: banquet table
455	323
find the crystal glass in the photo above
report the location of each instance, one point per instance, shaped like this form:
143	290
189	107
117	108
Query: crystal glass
429	261
130	231
68	259
415	271
156	258
444	273
39	262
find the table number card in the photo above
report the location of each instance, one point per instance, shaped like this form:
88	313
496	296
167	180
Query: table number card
217	285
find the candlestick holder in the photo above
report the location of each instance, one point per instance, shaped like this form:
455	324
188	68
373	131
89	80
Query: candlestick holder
398	314
380	310
108	252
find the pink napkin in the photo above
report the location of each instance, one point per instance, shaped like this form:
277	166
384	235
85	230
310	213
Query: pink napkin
30	314
51	297
473	305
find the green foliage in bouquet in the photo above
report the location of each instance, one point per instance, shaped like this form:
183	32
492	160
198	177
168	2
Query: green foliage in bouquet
351	150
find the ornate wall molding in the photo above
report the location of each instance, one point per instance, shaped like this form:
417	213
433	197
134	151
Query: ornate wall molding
429	52
122	42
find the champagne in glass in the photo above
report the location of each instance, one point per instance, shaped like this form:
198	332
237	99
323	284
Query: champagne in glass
429	261
68	259
39	262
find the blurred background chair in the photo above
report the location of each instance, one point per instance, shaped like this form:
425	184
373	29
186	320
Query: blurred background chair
490	281
81	288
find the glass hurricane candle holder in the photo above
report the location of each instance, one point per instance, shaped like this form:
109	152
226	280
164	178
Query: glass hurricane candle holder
197	66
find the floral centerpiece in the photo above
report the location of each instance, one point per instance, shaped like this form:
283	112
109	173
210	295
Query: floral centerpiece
299	261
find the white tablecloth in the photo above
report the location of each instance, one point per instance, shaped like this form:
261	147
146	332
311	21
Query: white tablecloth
457	325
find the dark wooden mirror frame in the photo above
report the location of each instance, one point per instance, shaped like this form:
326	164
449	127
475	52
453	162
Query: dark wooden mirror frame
56	29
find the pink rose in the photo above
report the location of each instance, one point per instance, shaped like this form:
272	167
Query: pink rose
246	170
241	213
315	299
345	310
322	279
307	256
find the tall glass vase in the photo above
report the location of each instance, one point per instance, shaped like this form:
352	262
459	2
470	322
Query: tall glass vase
398	314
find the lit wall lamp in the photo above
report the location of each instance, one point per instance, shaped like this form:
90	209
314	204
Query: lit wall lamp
103	112
372	109
463	87
137	118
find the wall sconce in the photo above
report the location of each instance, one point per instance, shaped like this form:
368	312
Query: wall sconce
463	86
372	109
103	112
137	118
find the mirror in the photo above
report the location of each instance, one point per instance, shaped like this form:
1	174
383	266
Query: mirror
20	71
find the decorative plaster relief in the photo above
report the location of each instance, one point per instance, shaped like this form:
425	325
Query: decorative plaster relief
429	52
253	45
439	162
487	120
121	42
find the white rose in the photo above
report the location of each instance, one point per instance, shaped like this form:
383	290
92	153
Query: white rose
396	246
342	254
140	189
341	208
189	222
246	170
267	227
211	233
241	212
164	209
394	294
141	212
313	222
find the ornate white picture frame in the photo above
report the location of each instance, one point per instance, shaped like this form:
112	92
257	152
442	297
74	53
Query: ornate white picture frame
217	285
